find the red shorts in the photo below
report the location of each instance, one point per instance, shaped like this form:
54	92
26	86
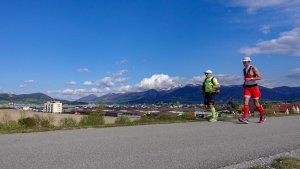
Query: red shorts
252	91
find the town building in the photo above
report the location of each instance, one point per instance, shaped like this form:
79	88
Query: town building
53	107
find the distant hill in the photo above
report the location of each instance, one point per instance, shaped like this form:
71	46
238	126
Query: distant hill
89	98
191	94
34	98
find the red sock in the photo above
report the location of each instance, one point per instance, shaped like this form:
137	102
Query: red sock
261	110
246	110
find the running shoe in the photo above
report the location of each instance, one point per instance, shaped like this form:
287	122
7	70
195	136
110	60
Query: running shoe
244	120
262	119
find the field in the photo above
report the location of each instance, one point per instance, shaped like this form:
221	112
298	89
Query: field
12	114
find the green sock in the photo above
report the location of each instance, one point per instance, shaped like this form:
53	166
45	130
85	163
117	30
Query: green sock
213	111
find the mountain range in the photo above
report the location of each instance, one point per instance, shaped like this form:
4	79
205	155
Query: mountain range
192	94
186	94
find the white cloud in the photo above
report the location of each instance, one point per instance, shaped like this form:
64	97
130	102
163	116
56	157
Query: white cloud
74	94
254	5
278	13
106	81
159	81
96	90
74	91
83	70
287	43
29	81
196	80
22	86
295	73
224	79
122	62
120	73
265	29
88	83
121	80
72	83
126	88
26	84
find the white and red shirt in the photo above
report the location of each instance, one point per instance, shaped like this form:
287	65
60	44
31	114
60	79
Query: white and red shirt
249	73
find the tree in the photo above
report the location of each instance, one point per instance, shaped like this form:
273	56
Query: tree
270	105
101	107
95	118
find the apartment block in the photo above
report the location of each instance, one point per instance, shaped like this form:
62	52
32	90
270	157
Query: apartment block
53	107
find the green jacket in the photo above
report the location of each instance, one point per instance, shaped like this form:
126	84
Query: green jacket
211	81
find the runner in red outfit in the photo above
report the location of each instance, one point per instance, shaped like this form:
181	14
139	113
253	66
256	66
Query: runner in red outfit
251	89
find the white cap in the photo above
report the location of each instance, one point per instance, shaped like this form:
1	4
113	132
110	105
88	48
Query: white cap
246	59
208	71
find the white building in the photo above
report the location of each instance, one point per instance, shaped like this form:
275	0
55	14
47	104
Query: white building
53	107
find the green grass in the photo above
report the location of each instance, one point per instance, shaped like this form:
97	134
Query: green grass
227	117
68	123
282	163
123	120
93	119
286	163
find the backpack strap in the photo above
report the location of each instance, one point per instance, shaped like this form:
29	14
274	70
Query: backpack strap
212	80
249	71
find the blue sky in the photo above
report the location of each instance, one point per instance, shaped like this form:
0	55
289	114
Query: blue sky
69	49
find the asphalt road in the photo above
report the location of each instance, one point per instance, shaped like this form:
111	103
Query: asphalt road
166	146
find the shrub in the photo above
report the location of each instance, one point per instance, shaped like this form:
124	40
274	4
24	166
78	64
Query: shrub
10	125
93	119
42	121
122	120
28	122
144	119
270	111
68	122
167	117
46	123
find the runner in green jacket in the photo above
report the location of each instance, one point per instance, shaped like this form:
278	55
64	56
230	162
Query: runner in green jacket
209	90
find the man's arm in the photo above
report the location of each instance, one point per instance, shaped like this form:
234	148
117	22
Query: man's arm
216	84
257	74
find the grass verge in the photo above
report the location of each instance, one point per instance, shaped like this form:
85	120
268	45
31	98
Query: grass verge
286	163
38	123
258	167
282	163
